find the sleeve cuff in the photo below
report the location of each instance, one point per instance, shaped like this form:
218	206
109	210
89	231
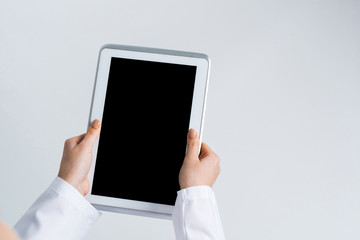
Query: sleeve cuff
196	192
73	196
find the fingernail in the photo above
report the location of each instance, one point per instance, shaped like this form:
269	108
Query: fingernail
192	133
95	124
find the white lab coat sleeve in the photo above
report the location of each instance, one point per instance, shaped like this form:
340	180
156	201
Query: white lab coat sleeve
196	215
61	212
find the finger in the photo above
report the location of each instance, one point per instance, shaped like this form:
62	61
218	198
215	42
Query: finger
205	151
207	154
72	142
79	138
192	144
92	133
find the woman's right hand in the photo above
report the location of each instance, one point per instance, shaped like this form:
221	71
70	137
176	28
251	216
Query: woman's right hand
198	170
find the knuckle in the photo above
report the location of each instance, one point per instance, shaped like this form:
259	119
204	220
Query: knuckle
216	158
90	132
193	144
67	141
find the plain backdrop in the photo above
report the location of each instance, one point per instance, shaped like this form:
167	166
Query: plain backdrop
283	105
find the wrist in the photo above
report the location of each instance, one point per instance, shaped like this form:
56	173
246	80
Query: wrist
189	185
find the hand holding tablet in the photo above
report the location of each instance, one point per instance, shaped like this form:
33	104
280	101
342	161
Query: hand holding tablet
198	170
77	157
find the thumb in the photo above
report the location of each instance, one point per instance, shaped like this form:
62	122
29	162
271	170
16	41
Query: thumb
192	144
92	133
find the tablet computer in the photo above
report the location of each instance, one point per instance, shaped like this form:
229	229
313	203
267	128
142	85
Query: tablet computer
147	99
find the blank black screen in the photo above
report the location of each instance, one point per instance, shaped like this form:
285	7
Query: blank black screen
144	126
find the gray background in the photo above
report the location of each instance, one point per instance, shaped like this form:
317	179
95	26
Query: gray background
283	105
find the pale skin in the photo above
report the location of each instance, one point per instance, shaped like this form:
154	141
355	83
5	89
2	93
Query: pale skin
197	169
77	156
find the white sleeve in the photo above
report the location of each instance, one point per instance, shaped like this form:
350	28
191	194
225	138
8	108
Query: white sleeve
61	212
196	215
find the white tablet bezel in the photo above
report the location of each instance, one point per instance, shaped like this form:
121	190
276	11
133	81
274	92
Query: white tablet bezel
202	63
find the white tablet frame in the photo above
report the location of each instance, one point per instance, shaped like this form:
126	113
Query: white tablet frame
201	61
